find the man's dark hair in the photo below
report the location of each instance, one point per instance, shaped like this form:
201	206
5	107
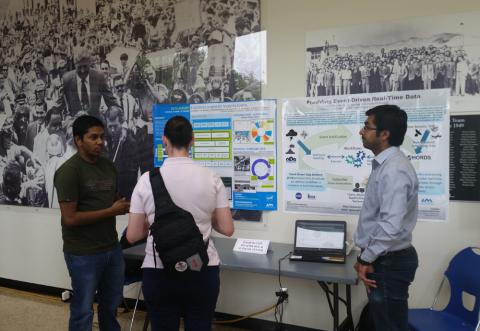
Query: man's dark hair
391	118
21	111
12	178
43	104
83	124
52	111
179	132
114	112
124	57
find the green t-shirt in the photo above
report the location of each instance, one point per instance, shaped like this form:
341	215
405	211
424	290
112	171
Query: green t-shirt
93	187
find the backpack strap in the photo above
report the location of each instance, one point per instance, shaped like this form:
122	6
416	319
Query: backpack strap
163	200
161	197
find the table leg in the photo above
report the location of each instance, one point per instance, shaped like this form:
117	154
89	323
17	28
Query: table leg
335	307
348	291
333	299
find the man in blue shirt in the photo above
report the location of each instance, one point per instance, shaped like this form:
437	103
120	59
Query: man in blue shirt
388	261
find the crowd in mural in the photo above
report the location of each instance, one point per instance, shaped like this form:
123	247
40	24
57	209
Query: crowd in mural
414	68
56	64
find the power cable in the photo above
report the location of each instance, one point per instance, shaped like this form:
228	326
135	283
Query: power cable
278	306
282	295
247	316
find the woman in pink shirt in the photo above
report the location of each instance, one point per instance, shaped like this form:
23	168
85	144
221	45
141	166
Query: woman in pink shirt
201	192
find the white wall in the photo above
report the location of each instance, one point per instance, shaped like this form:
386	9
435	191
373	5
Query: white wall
30	239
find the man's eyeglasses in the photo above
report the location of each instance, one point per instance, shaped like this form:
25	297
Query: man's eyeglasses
367	128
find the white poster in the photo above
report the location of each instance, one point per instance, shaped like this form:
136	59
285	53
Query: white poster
421	53
326	167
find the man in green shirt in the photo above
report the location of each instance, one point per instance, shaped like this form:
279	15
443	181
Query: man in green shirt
86	185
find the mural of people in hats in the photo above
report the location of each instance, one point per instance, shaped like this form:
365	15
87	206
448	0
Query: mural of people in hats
57	63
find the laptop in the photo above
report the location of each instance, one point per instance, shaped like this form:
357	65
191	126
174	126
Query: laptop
320	241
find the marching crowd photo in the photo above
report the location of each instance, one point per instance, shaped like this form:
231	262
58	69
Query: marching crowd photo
408	68
113	61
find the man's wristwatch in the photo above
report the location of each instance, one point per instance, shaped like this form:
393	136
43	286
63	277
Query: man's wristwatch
362	262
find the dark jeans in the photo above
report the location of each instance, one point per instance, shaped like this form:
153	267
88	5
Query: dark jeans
167	299
389	301
101	273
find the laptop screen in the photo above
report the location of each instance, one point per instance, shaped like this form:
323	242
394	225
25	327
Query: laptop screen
320	236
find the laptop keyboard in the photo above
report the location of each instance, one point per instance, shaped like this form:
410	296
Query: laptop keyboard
316	257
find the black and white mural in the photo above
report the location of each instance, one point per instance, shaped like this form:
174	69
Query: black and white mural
112	59
415	54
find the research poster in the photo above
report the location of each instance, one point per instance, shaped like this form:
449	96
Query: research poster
326	167
237	140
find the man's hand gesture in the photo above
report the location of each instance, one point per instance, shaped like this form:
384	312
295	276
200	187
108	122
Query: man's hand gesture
121	206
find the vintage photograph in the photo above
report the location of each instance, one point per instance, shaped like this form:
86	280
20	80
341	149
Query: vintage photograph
113	60
241	163
414	54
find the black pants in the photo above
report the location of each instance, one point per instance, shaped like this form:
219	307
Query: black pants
168	299
394	272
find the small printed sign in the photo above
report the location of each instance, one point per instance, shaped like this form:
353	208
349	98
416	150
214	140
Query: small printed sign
255	246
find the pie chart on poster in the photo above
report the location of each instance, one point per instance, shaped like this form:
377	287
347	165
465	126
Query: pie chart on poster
261	132
261	168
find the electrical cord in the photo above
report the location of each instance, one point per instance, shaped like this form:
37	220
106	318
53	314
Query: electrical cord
282	296
247	316
279	310
278	306
279	268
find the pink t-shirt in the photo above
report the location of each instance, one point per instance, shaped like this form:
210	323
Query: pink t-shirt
193	188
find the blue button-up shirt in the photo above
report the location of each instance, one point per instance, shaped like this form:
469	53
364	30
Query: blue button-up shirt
390	207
